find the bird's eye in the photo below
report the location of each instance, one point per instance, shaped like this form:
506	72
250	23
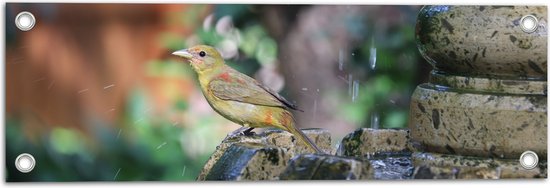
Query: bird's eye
202	53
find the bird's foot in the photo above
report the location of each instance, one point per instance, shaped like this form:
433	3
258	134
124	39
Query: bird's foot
243	131
248	132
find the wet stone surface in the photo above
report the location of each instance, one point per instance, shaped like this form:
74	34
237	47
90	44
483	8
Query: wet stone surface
488	85
327	167
386	149
483	41
366	142
220	149
258	144
294	147
444	120
435	172
247	161
392	167
509	168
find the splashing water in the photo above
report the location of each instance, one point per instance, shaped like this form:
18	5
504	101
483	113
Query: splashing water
118	135
39	79
175	123
314	110
341	60
138	120
372	58
355	90
160	146
374	121
109	86
118	171
110	110
350	83
82	91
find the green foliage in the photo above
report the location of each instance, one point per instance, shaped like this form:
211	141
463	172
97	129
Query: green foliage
143	146
66	141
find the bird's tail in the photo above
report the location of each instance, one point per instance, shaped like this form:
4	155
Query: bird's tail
302	137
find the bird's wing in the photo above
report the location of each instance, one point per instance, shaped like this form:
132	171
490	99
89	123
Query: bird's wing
232	86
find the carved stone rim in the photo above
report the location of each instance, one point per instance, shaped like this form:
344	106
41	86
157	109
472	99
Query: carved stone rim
488	85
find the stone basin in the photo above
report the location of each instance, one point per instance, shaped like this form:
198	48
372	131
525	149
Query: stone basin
445	120
483	41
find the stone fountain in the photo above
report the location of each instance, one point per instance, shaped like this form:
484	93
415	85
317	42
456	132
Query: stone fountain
486	101
485	104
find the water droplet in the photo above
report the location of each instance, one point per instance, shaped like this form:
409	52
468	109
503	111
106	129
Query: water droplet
314	111
82	91
304	89
374	121
183	173
372	58
355	90
138	120
341	60
350	84
109	86
160	146
117	173
39	79
118	135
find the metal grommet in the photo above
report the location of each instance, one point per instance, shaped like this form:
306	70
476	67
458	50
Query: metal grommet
529	23
25	162
529	160
25	21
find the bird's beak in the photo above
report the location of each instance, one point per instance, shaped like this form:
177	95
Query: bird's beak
183	53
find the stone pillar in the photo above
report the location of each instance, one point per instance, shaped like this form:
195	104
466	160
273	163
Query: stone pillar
487	95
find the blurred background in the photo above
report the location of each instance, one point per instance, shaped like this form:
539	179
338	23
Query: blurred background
93	93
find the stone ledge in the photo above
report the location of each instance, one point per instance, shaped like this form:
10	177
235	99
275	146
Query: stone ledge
258	145
464	172
478	124
366	142
327	167
509	168
249	161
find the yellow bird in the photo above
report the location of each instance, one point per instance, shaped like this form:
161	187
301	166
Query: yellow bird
239	97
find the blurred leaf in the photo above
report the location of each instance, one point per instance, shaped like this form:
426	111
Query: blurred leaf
251	38
395	119
181	104
66	141
382	85
267	51
209	37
